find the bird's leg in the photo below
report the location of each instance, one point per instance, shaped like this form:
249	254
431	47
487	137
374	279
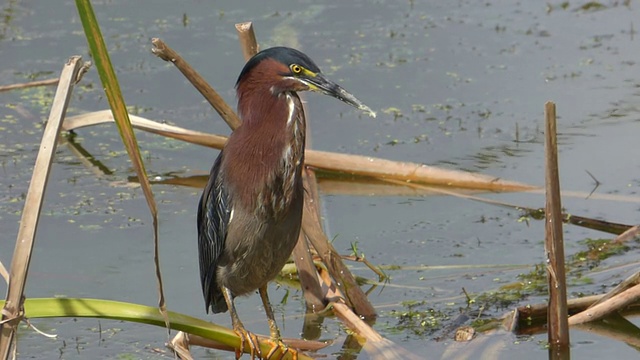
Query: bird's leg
276	340
238	327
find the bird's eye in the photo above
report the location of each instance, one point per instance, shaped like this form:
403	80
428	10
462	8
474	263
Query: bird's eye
296	69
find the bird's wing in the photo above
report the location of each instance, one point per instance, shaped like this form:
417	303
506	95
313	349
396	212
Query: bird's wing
213	219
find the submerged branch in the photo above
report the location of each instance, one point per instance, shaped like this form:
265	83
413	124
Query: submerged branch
405	173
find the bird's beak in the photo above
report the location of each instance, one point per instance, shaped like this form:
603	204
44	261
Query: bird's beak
318	82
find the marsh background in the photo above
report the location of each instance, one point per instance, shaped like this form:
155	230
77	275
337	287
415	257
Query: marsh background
457	84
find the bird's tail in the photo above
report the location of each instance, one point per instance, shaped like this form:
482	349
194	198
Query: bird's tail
216	302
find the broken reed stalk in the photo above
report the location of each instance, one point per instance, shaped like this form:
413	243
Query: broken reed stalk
307	275
406	172
354	295
303	257
247	37
378	347
12	312
170	131
301	253
554	247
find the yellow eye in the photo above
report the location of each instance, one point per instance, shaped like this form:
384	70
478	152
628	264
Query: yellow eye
296	69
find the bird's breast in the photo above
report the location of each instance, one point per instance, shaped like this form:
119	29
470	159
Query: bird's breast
263	159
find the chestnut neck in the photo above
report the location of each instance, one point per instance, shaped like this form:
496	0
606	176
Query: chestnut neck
268	147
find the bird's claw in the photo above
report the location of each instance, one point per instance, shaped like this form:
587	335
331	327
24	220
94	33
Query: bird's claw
254	344
284	349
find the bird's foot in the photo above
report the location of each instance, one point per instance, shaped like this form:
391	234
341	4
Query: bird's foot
252	339
279	350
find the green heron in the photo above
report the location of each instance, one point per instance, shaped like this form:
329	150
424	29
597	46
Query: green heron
250	212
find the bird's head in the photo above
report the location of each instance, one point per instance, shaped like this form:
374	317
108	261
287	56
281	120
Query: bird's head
284	69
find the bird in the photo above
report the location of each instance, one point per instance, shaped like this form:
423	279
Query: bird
250	212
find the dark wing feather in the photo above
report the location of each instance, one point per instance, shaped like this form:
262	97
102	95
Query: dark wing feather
213	219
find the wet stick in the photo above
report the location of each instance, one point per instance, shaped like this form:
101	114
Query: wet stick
303	257
615	303
623	295
628	283
554	248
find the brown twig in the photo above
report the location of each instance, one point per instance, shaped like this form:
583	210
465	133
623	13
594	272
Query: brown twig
367	263
536	213
164	52
29	84
554	247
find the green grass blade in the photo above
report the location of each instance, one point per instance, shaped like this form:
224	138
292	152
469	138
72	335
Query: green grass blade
116	310
118	108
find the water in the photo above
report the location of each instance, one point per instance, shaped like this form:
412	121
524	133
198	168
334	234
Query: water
460	85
